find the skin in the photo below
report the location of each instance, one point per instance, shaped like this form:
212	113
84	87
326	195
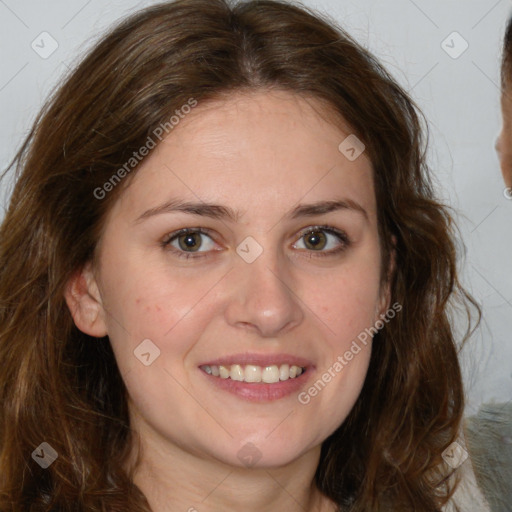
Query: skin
504	142
261	154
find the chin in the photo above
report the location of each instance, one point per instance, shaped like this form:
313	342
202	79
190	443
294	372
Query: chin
265	453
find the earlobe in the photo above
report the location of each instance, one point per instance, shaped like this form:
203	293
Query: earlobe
84	302
385	302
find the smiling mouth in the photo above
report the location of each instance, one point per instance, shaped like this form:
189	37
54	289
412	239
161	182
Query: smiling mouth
253	373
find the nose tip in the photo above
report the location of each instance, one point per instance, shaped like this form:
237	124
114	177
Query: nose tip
497	144
263	300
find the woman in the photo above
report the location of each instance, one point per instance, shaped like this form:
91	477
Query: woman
235	278
489	432
504	142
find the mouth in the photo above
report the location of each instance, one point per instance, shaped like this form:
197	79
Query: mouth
269	374
258	377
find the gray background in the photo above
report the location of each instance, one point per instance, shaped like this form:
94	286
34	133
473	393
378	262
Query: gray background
459	93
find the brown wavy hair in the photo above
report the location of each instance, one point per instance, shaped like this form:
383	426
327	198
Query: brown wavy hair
506	56
61	386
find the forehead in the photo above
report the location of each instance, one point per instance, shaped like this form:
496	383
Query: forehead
506	99
253	147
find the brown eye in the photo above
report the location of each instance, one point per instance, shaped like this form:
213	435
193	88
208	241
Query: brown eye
190	242
315	240
323	240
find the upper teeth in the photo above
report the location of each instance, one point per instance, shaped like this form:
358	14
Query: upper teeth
252	373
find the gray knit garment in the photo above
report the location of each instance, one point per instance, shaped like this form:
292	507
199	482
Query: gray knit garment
489	439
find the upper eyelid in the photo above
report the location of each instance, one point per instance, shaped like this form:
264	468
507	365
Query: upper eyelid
330	229
340	233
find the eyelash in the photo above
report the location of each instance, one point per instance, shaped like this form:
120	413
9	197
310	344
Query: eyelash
341	235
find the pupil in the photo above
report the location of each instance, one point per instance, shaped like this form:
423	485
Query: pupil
316	240
189	241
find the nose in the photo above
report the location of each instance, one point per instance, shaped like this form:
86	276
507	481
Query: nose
497	145
262	297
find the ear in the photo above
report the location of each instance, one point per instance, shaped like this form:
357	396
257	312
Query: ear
385	295
85	304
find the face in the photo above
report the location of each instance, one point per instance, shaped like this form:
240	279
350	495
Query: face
245	245
504	142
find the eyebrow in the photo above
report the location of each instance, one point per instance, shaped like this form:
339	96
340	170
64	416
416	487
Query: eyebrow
216	211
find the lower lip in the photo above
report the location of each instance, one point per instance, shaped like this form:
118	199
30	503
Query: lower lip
260	391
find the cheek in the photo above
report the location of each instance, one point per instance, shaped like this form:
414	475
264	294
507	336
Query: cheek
348	317
146	301
346	302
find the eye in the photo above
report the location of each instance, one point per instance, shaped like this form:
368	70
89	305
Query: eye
323	239
187	241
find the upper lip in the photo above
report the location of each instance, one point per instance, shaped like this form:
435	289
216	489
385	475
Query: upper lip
259	360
